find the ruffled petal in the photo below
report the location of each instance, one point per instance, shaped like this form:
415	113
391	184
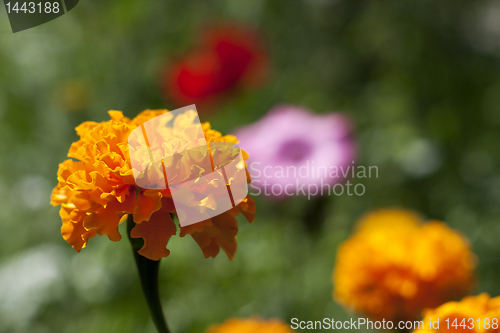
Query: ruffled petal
156	232
147	115
208	244
247	207
105	222
218	232
72	229
148	202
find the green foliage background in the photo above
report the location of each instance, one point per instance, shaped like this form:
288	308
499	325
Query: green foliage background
421	80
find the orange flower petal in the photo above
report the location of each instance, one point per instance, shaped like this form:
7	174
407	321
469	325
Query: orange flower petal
227	226
76	235
247	207
208	244
72	229
220	233
156	232
104	221
60	195
85	127
117	115
195	227
148	202
147	115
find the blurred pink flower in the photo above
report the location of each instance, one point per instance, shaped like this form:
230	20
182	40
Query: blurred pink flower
292	146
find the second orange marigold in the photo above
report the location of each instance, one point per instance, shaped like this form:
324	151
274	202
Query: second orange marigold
394	266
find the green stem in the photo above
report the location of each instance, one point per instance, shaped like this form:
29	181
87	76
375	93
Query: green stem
315	213
148	274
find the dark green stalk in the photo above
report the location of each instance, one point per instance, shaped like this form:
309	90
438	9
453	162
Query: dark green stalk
315	213
148	274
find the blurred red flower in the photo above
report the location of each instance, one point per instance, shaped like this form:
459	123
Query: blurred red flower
227	57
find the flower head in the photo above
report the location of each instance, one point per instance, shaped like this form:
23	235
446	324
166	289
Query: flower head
394	266
226	57
292	146
253	325
97	191
476	313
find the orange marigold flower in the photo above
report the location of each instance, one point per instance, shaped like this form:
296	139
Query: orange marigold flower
472	314
394	266
252	325
97	191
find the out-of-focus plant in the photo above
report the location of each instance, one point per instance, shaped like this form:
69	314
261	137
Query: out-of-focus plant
291	147
295	152
227	57
394	266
